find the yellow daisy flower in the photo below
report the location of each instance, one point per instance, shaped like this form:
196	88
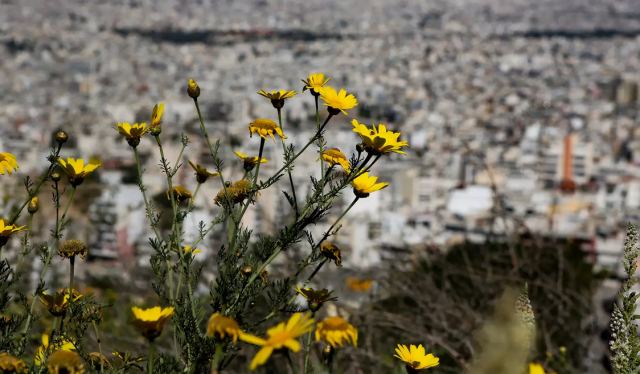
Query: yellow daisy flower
265	127
359	285
202	174
535	368
190	250
76	170
193	89
314	83
234	194
60	345
315	298
65	362
336	331
58	302
132	133
6	230
156	119
8	163
151	321
364	185
249	161
337	101
34	205
416	358
222	326
378	140
12	364
283	335
334	156
277	97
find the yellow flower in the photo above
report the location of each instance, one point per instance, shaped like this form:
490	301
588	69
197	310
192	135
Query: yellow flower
337	101
314	83
277	97
233	194
265	127
73	247
8	163
193	89
76	170
249	161
190	250
7	230
336	331
202	174
65	362
364	184
359	285
60	345
132	133
334	156
222	327
378	140
156	118
283	335
315	298
151	321
416	358
535	368
180	193
11	364
331	251
58	302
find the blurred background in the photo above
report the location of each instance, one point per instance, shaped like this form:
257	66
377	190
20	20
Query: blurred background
524	160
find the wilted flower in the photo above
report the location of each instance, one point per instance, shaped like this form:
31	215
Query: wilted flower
65	362
10	364
363	185
58	302
233	194
359	285
222	326
76	170
378	140
416	358
202	174
283	335
265	127
98	360
61	137
315	298
33	205
180	193
132	133
249	161
314	83
336	331
151	321
8	163
334	156
331	251
73	247
60	345
337	101
277	97
193	89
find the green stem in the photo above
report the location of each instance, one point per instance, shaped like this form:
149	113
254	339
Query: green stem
213	150
284	150
143	190
307	348
95	330
72	261
321	139
150	358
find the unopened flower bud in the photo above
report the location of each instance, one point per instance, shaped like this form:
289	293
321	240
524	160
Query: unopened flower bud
193	89
61	137
247	270
56	176
33	206
360	148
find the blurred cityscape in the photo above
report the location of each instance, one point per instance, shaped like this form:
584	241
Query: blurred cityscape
521	116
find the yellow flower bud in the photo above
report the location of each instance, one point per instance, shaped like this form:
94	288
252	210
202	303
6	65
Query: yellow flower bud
193	89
